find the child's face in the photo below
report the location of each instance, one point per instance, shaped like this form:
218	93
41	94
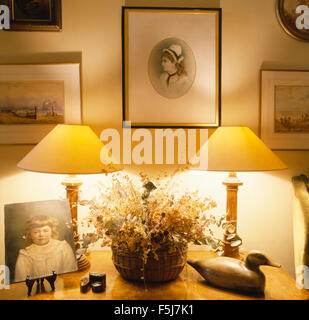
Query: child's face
168	65
41	235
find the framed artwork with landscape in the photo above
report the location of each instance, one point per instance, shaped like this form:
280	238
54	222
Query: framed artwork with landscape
285	109
34	15
36	97
171	67
38	239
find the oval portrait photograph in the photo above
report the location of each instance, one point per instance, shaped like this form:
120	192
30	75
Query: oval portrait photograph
171	68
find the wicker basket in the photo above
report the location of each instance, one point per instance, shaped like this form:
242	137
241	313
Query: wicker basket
167	267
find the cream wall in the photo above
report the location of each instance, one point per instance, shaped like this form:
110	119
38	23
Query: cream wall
251	38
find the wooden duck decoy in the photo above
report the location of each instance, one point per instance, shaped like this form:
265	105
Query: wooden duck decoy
235	274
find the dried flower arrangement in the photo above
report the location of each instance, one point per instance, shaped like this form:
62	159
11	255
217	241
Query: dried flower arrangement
151	216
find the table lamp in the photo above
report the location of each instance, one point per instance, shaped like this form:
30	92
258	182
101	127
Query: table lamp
69	150
235	149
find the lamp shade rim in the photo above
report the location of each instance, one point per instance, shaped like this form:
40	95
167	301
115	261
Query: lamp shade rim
238	149
103	171
243	170
69	149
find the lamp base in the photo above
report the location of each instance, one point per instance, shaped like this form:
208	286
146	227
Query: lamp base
231	252
83	263
231	248
72	184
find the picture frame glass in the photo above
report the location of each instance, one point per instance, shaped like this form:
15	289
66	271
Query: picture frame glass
38	10
285	109
36	97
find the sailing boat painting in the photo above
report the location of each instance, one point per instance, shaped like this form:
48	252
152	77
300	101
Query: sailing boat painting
291	109
32	102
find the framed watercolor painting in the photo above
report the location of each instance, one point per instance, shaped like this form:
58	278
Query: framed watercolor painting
171	67
34	15
285	109
38	239
36	97
293	16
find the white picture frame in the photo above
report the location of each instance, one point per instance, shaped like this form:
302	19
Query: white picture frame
68	73
285	109
181	99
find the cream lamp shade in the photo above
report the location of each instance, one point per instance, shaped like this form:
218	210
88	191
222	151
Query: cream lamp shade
67	149
239	149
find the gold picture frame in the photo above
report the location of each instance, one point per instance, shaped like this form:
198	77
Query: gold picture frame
38	15
284	110
292	15
182	91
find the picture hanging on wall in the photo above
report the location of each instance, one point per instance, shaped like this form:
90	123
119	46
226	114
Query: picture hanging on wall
34	98
293	17
285	109
35	15
171	67
38	239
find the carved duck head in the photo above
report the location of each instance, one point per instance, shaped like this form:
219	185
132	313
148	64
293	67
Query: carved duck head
257	258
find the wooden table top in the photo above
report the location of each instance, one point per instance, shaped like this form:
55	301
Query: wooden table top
188	286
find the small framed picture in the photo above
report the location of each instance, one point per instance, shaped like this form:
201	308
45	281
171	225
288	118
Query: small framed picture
34	98
35	15
293	16
171	67
285	109
38	239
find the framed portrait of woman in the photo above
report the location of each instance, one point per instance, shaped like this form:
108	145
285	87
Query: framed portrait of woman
171	67
38	239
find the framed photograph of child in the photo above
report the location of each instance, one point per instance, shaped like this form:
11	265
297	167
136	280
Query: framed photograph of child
171	67
38	239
